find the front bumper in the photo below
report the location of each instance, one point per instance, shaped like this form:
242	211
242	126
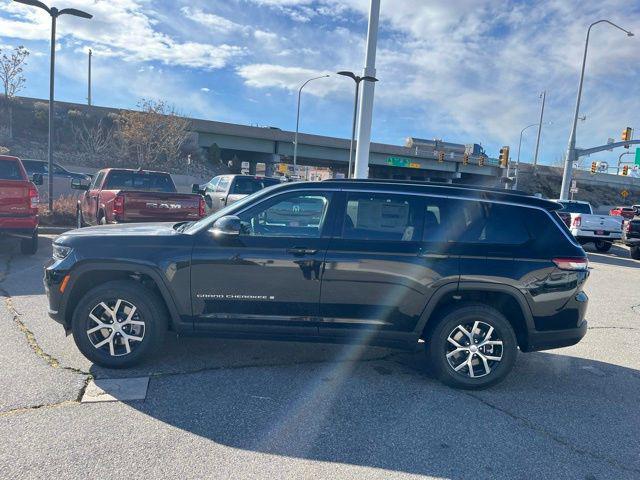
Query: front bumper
52	281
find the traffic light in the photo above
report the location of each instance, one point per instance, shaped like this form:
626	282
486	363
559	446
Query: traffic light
626	135
481	161
441	156
625	170
504	157
465	159
594	167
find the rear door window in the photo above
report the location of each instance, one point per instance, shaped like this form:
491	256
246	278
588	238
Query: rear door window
383	217
144	181
10	170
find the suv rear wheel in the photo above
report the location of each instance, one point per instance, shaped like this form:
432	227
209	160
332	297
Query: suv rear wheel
603	245
472	347
118	324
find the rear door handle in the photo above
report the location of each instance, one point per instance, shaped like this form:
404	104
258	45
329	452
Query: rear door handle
300	251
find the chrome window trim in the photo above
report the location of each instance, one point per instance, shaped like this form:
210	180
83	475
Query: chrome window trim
400	192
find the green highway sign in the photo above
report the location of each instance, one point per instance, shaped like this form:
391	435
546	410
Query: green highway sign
637	156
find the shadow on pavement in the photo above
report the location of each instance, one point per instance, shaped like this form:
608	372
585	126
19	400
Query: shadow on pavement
11	258
553	412
617	256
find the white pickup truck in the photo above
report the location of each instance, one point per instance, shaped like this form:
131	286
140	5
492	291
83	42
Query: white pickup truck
588	227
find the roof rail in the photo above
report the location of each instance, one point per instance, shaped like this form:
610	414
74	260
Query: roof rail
430	184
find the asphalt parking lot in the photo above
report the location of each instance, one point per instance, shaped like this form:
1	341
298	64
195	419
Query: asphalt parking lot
241	409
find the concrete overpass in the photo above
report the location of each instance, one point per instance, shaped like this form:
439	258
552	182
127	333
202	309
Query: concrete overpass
417	159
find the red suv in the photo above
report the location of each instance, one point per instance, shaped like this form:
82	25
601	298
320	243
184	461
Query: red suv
19	203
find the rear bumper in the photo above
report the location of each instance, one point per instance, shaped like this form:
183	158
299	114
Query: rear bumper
555	338
591	235
19	226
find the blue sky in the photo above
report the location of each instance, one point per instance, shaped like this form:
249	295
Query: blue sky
463	71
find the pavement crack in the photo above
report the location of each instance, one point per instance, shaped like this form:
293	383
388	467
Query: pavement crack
17	411
612	328
552	435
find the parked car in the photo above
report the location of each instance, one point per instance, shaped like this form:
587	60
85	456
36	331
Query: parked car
626	213
636	209
475	274
587	227
19	203
42	167
224	190
631	237
119	195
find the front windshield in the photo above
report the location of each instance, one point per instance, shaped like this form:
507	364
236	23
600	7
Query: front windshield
209	219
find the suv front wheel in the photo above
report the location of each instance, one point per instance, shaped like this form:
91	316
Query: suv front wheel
119	323
472	347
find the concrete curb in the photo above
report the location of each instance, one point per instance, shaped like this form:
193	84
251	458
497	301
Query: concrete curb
46	230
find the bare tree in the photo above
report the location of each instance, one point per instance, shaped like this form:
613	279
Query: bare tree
93	140
154	135
12	78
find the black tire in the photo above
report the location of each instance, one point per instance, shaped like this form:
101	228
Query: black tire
29	246
79	220
635	253
466	316
150	310
603	245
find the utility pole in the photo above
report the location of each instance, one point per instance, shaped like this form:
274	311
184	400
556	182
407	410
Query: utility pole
368	90
535	157
89	80
571	156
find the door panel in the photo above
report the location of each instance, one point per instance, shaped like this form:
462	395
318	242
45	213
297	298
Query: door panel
379	274
268	278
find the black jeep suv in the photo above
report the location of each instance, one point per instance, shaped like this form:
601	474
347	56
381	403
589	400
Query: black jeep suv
475	274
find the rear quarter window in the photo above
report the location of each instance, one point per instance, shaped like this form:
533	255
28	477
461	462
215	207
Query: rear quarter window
10	170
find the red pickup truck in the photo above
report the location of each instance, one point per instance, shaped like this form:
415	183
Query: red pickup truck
119	195
19	203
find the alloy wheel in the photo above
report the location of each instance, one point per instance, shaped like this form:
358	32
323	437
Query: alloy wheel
474	349
115	327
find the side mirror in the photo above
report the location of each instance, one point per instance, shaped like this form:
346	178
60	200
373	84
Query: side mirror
195	188
76	184
228	225
37	179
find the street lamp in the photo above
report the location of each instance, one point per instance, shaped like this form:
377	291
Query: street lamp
571	149
54	13
357	79
295	140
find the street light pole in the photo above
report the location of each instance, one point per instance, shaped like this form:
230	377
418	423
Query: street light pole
54	13
89	80
571	148
543	95
368	90
515	184
295	139
357	79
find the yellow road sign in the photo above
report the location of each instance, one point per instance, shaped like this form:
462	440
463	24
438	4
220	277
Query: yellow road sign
624	193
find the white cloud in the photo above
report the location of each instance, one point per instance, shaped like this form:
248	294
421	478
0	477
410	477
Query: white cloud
123	28
205	89
290	78
210	20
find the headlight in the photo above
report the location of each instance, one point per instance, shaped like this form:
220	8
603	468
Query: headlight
60	252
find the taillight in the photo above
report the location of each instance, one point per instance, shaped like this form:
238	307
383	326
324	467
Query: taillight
571	263
118	206
202	211
577	221
627	227
34	198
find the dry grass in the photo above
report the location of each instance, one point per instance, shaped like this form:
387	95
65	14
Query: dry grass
63	215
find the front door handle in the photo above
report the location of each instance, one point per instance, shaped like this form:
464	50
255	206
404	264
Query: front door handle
301	251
